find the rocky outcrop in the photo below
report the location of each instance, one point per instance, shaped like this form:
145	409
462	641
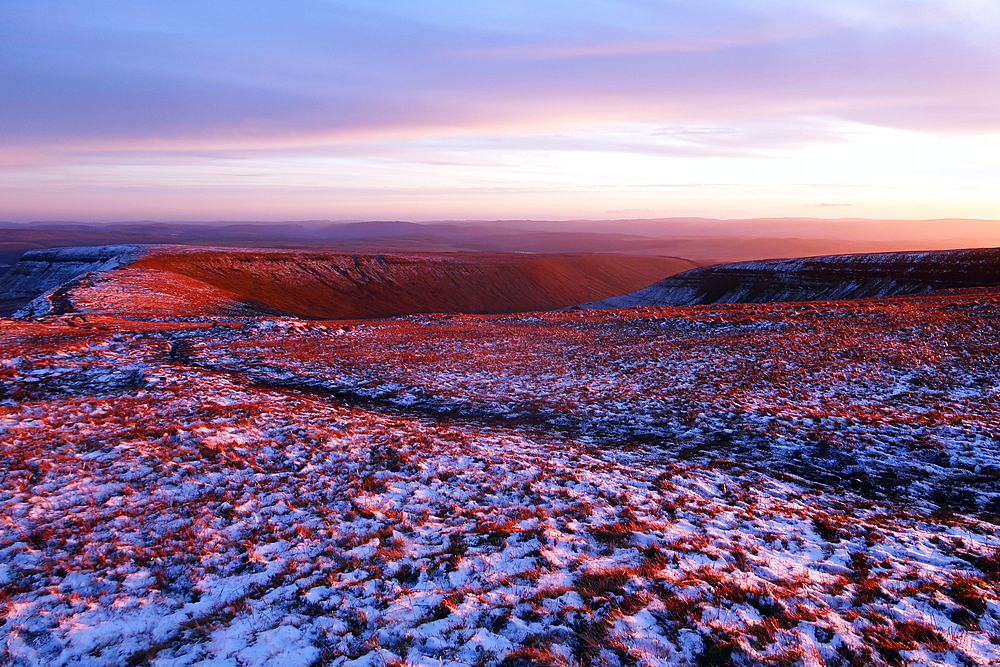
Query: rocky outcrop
818	278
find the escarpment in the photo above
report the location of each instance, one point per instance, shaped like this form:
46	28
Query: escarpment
39	271
818	278
162	281
358	286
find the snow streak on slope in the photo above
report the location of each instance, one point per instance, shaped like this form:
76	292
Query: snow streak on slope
40	272
747	484
818	278
149	294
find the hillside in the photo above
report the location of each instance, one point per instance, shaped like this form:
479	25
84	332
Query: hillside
189	480
165	281
39	271
819	278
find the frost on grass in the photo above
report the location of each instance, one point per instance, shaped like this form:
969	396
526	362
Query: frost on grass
785	484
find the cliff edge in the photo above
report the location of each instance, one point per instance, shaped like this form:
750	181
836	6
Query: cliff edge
144	282
821	278
39	272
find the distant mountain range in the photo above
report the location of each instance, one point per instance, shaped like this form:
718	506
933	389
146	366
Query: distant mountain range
137	281
704	241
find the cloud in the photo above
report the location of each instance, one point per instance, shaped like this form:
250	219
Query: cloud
109	71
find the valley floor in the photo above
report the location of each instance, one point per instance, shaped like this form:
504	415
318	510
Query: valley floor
814	484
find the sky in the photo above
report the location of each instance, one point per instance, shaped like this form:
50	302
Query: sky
424	110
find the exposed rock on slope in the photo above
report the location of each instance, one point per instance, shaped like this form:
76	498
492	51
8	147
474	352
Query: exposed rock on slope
165	281
361	286
819	278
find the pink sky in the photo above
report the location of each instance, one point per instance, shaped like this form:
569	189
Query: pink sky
431	110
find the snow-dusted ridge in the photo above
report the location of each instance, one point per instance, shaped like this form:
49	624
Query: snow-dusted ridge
40	273
818	278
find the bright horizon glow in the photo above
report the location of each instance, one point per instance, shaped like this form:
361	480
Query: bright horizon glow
315	109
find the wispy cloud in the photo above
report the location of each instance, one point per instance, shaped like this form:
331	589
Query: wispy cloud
425	82
145	69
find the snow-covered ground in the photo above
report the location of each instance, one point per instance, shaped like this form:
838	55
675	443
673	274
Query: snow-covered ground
751	484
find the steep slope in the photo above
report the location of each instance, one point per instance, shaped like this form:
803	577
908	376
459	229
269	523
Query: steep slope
167	281
142	294
818	278
39	271
361	286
